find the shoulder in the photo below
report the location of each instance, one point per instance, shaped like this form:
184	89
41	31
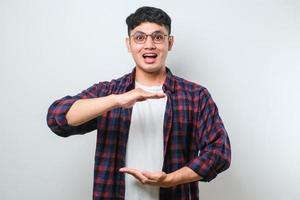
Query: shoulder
189	87
193	93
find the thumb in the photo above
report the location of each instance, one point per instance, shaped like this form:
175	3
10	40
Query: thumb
149	175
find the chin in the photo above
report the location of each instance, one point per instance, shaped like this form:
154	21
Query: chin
151	68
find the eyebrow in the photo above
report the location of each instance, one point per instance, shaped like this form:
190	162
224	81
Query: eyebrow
157	31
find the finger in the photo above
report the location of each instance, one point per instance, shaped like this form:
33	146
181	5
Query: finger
159	95
147	94
127	170
151	175
135	173
151	96
154	95
157	176
142	99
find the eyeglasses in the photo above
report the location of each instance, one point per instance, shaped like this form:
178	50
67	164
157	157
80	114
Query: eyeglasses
141	38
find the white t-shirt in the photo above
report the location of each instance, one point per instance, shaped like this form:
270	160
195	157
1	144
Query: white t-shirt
145	144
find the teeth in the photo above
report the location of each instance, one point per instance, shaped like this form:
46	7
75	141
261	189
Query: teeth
150	55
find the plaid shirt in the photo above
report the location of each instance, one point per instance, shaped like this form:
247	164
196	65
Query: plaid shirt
194	135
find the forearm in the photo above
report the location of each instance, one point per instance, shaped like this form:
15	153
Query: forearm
85	110
181	176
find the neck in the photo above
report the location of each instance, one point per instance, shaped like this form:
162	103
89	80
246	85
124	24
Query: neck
150	78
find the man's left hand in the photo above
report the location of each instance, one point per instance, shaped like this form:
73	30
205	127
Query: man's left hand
160	179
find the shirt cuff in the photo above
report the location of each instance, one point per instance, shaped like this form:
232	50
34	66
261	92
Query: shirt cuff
203	168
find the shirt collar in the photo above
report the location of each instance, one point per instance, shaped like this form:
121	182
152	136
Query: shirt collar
167	86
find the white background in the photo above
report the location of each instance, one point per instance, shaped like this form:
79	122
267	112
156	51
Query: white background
246	52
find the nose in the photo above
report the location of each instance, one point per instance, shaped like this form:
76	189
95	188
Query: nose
149	44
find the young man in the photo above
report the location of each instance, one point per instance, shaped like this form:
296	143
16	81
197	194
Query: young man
158	134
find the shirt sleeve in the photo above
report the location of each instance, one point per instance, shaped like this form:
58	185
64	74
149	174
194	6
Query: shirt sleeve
56	117
212	140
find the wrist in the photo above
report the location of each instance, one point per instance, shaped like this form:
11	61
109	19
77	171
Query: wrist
115	101
170	180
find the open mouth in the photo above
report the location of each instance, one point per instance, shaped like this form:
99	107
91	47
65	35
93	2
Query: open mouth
149	57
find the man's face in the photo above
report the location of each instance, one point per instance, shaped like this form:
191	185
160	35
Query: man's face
149	55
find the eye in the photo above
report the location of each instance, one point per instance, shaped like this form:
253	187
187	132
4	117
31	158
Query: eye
158	37
139	37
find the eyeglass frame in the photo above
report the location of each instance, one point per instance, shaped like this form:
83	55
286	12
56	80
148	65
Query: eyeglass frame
151	35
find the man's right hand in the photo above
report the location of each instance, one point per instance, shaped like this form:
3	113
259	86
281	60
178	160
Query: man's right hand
84	110
128	99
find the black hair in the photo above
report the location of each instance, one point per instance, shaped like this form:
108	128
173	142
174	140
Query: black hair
148	14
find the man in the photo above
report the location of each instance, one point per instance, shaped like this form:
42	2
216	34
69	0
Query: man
158	134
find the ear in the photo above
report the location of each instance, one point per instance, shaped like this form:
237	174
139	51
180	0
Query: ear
128	44
170	42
